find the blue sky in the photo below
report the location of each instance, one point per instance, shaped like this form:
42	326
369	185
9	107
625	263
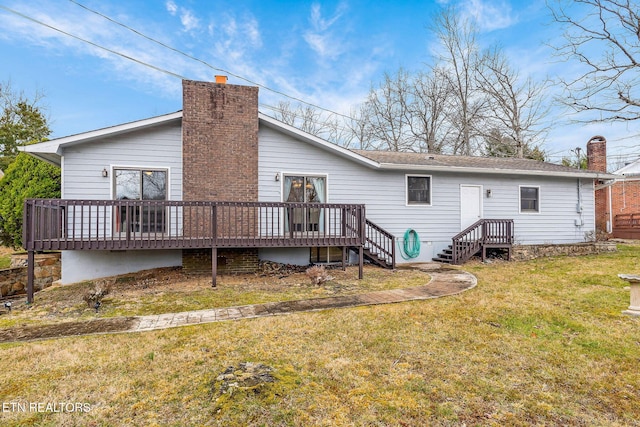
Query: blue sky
327	53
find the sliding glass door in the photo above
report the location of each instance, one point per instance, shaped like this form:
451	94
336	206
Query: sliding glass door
140	184
305	189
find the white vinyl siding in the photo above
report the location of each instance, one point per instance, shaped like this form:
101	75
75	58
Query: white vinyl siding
154	148
383	193
159	147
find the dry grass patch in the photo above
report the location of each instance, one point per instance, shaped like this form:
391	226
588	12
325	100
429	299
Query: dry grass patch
535	343
170	290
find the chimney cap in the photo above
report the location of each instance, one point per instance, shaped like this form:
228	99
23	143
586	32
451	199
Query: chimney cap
597	138
221	79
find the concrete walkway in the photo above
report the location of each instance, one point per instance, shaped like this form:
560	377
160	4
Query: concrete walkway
444	281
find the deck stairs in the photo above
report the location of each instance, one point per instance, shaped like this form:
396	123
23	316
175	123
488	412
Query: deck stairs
476	239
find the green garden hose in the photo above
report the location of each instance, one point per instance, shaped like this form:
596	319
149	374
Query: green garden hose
411	247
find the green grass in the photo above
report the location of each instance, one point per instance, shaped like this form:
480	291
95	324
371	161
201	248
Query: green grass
535	343
5	257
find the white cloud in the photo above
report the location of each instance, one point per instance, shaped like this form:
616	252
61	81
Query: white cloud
235	38
322	37
188	20
172	8
489	15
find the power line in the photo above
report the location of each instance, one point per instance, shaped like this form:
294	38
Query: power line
162	70
204	62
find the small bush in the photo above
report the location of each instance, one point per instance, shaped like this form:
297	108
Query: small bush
318	274
101	288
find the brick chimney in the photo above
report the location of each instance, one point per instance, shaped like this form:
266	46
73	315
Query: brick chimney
597	161
220	159
597	154
219	141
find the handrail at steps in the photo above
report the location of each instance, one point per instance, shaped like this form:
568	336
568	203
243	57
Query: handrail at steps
483	232
380	242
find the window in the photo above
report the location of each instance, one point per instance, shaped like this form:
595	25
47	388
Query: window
529	199
140	184
418	190
326	255
305	189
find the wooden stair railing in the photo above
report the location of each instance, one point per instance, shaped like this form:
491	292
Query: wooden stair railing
378	245
483	234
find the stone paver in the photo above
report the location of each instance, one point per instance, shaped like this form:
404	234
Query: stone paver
444	281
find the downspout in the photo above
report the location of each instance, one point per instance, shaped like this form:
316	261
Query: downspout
610	221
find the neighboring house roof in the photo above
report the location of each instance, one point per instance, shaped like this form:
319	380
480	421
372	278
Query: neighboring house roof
632	169
51	152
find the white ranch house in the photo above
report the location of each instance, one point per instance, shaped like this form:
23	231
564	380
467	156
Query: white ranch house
218	159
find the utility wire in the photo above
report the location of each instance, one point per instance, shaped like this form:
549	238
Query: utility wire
162	70
204	62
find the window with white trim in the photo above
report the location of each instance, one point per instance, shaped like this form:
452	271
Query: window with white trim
140	184
529	199
418	190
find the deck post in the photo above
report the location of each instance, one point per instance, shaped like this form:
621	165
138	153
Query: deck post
30	275
360	262
214	266
344	258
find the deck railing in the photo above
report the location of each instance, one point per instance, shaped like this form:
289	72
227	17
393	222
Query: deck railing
485	232
627	220
55	224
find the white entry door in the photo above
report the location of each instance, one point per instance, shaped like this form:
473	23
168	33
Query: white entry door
470	205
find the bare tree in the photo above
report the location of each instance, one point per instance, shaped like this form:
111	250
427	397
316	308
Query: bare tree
358	129
389	114
459	57
517	106
431	97
606	41
307	118
284	113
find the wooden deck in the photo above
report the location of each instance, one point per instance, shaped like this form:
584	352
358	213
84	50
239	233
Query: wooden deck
108	225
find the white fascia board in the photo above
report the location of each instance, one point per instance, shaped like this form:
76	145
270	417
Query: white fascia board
50	150
315	141
434	168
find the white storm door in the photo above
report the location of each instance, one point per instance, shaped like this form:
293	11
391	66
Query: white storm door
470	205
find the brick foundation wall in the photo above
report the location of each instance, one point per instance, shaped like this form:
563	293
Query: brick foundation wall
229	260
220	157
597	161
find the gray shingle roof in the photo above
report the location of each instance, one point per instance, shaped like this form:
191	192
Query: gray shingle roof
427	161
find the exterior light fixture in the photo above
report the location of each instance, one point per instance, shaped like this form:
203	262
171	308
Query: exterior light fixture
277	176
105	172
489	193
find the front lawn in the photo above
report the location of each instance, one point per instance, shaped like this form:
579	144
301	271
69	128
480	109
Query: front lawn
535	343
